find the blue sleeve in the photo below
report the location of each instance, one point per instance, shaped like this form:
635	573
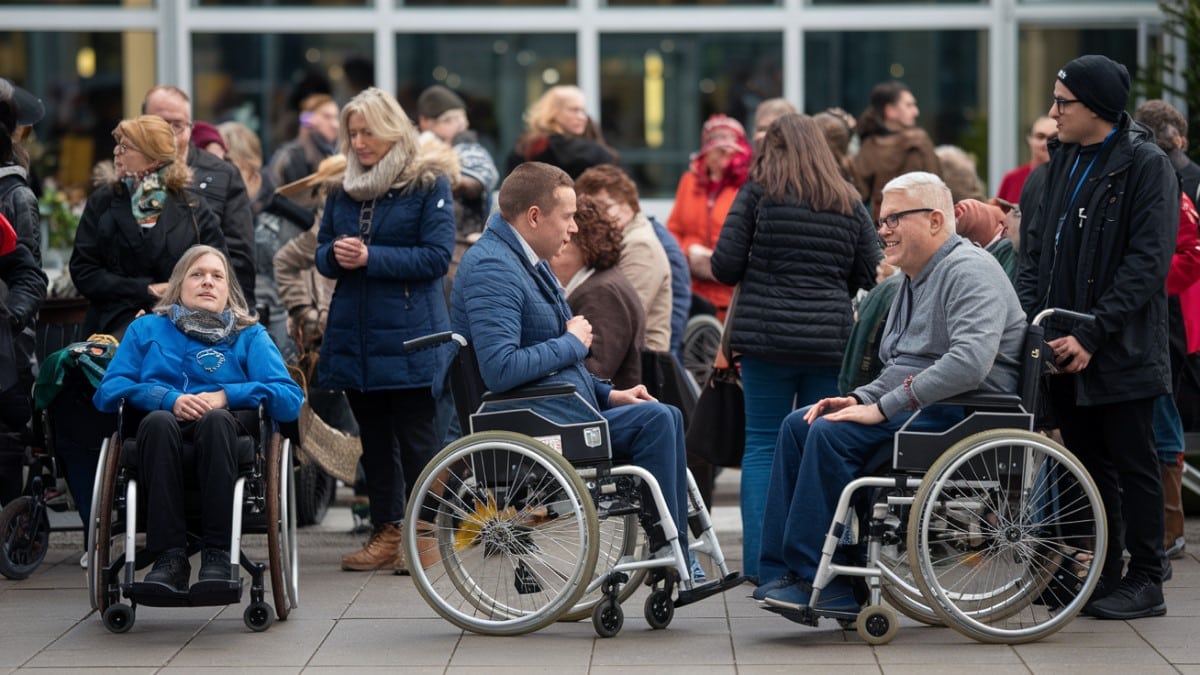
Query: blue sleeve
268	381
430	257
122	379
326	264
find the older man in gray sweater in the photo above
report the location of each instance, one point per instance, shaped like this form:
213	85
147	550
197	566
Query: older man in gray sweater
955	326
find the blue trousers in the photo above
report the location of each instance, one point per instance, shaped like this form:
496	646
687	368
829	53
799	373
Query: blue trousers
1168	429
812	466
650	435
772	390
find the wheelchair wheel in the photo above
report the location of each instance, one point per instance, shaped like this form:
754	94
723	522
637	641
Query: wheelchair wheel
101	529
997	516
619	537
701	341
282	555
24	537
903	593
314	492
516	532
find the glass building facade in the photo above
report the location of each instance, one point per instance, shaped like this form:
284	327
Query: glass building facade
652	70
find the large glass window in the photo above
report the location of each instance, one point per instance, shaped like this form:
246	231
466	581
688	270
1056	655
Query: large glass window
485	3
88	83
497	75
282	3
260	79
656	90
945	69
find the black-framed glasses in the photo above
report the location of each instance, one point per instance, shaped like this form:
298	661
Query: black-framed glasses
1060	103
893	221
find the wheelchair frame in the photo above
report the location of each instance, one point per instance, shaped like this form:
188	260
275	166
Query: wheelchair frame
507	500
1011	569
268	490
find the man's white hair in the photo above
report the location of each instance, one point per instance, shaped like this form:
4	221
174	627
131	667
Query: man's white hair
928	189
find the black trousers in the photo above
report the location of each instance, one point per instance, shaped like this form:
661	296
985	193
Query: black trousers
399	433
1115	442
174	456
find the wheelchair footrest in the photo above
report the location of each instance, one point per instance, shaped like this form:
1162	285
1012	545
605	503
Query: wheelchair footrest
808	616
702	591
201	594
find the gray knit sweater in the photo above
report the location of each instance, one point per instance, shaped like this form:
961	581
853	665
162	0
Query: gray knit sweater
956	327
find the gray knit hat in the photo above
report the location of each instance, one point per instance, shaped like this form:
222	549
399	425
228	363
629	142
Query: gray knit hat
438	99
1099	83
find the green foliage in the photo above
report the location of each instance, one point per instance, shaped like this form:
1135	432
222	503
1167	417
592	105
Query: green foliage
62	211
1155	79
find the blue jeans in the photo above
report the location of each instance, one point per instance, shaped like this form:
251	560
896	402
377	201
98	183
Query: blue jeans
650	435
812	466
772	390
1168	429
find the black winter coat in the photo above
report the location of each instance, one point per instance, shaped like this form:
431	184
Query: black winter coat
1124	256
115	261
20	206
798	269
220	186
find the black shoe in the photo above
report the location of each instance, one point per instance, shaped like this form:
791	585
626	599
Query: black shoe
1104	588
214	565
172	570
1134	598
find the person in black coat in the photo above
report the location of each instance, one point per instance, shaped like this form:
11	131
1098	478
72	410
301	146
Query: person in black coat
214	180
134	229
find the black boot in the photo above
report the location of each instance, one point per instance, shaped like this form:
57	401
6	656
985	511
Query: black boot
214	565
172	570
1136	597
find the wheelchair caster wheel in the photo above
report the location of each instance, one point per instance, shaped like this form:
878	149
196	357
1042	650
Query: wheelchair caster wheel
877	625
258	616
659	610
118	618
608	618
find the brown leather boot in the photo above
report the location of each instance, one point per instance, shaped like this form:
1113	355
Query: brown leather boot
427	544
1173	541
379	551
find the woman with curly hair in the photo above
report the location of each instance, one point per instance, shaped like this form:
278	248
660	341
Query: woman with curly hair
595	288
559	132
135	228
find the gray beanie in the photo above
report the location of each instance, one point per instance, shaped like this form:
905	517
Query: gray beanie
436	100
1099	83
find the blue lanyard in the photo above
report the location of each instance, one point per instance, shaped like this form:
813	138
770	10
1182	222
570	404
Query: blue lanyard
1082	179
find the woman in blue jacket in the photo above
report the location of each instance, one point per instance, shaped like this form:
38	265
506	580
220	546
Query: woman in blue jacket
197	356
386	236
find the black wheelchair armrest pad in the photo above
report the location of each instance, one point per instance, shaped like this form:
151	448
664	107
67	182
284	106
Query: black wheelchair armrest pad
535	391
983	399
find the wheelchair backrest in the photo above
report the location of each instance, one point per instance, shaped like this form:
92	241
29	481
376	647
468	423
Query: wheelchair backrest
1033	353
466	384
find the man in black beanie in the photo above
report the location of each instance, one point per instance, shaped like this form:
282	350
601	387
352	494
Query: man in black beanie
1099	240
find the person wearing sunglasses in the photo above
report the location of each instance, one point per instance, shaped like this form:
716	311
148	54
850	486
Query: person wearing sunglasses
1098	239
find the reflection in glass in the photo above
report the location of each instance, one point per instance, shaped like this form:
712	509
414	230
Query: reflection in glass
945	69
485	3
657	90
260	79
498	75
282	3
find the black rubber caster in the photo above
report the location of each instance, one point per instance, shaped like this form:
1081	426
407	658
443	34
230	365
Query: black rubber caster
607	618
118	618
659	609
258	616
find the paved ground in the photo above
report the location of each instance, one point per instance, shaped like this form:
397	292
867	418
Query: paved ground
375	622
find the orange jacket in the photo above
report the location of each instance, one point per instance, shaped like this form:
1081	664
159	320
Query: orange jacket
694	221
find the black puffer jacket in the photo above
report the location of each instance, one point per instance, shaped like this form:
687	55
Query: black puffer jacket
798	269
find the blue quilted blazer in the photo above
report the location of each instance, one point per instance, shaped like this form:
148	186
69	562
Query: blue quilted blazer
515	316
396	297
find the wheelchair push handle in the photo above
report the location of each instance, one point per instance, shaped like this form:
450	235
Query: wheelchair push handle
1062	314
433	340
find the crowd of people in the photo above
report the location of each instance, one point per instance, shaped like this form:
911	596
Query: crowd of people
873	275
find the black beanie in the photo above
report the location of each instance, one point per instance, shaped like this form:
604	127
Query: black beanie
436	100
1099	83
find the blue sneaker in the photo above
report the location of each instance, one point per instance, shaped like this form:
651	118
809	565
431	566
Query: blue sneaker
836	598
787	579
698	574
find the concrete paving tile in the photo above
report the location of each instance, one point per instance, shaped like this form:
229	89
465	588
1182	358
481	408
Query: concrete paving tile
226	642
565	645
375	670
1044	654
665	670
1189	670
517	670
805	669
148	644
383	642
966	656
220	670
388	596
88	670
1101	669
693	641
52	603
951	669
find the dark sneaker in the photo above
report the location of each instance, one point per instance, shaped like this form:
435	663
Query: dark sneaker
784	581
837	597
1104	588
1134	598
171	569
214	565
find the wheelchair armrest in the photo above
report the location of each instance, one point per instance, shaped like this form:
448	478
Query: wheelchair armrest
983	399
536	391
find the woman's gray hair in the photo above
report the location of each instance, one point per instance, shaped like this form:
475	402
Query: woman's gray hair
927	188
174	293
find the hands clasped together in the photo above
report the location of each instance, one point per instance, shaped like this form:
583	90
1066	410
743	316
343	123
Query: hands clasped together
191	407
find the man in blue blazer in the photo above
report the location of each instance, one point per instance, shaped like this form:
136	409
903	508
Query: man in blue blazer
508	304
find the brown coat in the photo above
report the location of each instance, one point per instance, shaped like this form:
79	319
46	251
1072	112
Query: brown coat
884	156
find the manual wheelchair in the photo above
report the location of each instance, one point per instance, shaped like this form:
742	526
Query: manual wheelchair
264	500
1002	538
526	521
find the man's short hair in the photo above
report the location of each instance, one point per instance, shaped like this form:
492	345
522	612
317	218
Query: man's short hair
166	88
1165	121
928	188
531	184
611	179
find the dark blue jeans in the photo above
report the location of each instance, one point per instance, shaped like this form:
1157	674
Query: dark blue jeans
650	435
812	466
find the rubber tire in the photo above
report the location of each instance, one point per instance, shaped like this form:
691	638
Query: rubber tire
630	545
877	625
258	616
119	618
101	528
659	609
701	342
282	552
607	619
315	490
18	561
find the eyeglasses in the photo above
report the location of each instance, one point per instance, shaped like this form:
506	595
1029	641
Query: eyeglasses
178	128
122	147
893	221
1061	103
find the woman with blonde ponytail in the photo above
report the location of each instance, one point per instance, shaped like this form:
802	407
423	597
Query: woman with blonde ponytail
137	226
